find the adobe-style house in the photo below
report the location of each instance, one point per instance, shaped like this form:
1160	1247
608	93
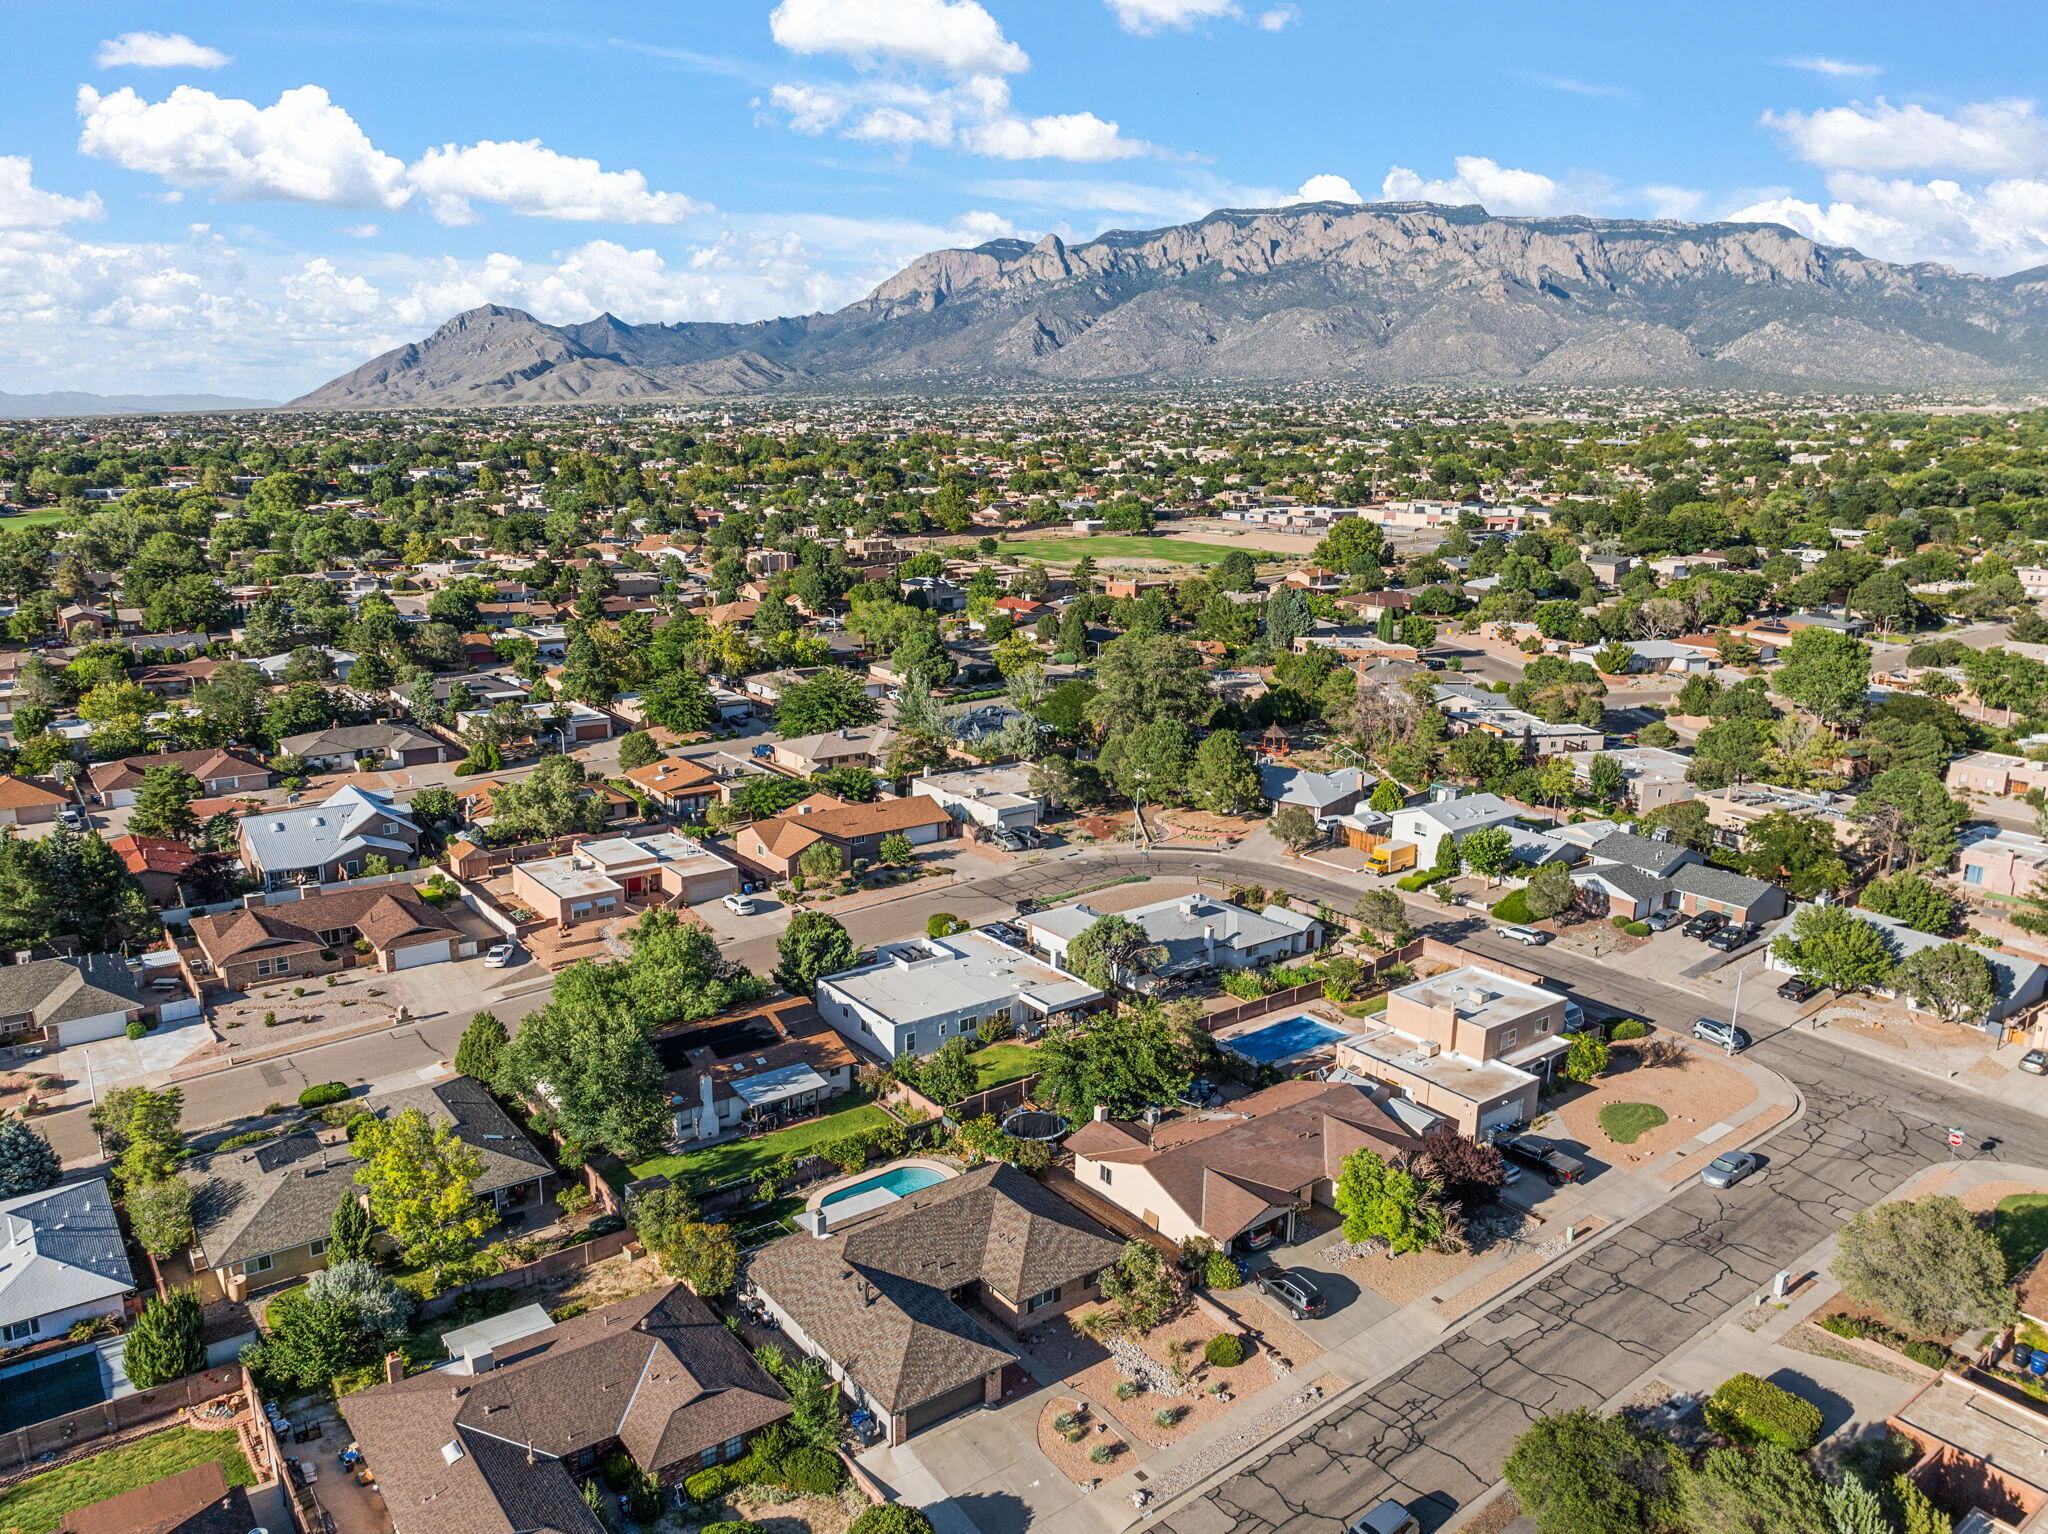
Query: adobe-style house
1243	1180
886	1304
498	1438
856	830
221	774
319	935
600	880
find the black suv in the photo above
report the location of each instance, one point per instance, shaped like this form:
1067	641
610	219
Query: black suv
1730	938
1293	1289
1539	1155
1706	924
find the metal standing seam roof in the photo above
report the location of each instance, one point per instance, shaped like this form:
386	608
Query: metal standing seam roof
309	835
62	1247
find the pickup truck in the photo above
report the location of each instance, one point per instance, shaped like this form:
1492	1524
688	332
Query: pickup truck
1539	1155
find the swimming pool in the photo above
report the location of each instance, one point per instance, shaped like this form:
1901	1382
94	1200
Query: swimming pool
1284	1040
902	1181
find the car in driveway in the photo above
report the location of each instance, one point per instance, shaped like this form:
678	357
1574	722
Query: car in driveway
1525	935
1798	989
1661	921
1705	925
1541	1156
498	955
1294	1290
1726	1171
2035	1062
71	817
1732	937
739	905
1711	1030
1390	1517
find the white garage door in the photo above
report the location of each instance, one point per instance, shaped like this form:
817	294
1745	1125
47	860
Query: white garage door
424	953
83	1030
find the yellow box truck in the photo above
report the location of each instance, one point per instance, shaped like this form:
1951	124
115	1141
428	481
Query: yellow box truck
1390	858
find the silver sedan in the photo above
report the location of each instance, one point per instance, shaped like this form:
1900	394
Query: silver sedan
1727	1171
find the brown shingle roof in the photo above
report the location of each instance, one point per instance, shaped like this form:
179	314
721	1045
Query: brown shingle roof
110	777
382	913
826	816
22	794
194	1501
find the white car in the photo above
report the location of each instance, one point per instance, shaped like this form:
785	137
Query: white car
1389	1517
739	905
1527	935
498	955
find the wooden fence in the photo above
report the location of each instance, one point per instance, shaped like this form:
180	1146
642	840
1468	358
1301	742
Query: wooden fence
59	1436
568	1260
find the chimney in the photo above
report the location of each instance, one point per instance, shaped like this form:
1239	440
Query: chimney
394	1367
1102	1113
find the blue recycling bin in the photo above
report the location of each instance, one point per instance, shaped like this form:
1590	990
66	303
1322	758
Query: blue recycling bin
2038	1365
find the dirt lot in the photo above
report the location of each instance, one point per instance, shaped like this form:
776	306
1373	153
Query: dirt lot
1693	1091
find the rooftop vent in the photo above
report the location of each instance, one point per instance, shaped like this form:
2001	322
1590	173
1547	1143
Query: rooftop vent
452	1450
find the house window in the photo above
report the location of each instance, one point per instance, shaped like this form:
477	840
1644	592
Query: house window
709	1457
1103	1171
1042	1299
319	1248
943	1025
1973	873
1542	1026
257	1264
1508	1037
277	966
735	1447
909	1044
19	1331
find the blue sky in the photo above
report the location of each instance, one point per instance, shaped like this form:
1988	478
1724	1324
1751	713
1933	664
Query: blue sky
242	198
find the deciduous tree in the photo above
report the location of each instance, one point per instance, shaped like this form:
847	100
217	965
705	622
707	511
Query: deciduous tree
1383	1201
421	1180
813	945
1953	981
1833	948
1581	1473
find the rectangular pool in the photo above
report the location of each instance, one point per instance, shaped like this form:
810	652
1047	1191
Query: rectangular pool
1284	1040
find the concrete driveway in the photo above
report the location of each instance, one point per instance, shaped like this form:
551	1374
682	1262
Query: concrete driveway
979	1472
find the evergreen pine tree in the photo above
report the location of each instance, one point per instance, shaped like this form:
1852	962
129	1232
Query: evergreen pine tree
27	1163
482	1048
348	1237
165	1343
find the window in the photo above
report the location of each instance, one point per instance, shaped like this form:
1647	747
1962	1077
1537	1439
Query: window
16	1331
1973	873
1542	1026
281	965
735	1447
319	1248
257	1264
1042	1299
1508	1037
709	1457
1103	1171
943	1026
909	1043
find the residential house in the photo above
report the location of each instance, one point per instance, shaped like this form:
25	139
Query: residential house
262	1214
1608	569
993	798
173	679
1996	774
749	1070
1732	811
1466	708
1199	934
808	754
915	995
498	1438
340	663
323	933
1995	860
1651	655
158	864
1473	1045
25	802
1315	578
1652	777
857	830
1981	1455
2020	982
561	720
73	1000
327	842
889	1305
381	746
1328	794
599	880
1632	876
1243	1179
66	1261
221	774
1426	825
683	789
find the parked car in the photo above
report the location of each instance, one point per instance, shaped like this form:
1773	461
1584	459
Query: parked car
1712	1030
1726	1171
2035	1062
1390	1517
1706	924
498	955
1009	841
739	905
1526	935
1295	1291
1659	921
1798	988
1540	1155
1732	937
72	817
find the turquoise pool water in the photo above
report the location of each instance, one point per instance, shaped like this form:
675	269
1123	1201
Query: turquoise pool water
1284	1040
901	1181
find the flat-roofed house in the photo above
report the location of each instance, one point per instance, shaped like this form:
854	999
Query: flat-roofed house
602	879
917	994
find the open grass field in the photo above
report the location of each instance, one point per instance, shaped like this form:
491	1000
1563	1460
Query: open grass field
38	1505
1110	548
33	519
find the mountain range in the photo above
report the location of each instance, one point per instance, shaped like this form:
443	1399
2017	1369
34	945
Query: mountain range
67	402
1379	294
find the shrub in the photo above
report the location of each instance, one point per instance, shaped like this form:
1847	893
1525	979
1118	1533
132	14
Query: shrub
890	1518
138	1029
619	1471
238	1142
815	1471
1166	1416
1637	928
1421	881
1127	1390
1220	1272
1629	1028
1100	1454
1225	1350
321	1095
731	1526
1514	907
1065	1422
1930	1355
1749	1411
710	1485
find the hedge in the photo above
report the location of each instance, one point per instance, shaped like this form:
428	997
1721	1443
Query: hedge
323	1094
1421	881
1514	907
710	1485
890	1518
1749	1410
816	1471
1629	1028
1930	1355
1225	1350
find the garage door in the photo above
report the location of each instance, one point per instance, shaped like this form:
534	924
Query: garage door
939	1408
83	1030
1508	1113
424	953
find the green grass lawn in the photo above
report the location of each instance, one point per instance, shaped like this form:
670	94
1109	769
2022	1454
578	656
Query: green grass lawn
1114	546
1004	1062
2021	1225
1626	1123
39	1504
743	1158
34	519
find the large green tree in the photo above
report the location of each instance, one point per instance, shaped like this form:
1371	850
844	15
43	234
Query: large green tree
1384	1201
1831	947
812	946
1953	981
1926	1265
831	700
1826	673
1223	780
1111	950
1579	1472
421	1179
1146	677
163	803
1141	1055
1795	850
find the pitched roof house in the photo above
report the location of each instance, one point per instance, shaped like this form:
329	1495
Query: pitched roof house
25	802
219	773
65	1263
493	1442
313	936
326	842
71	1000
855	829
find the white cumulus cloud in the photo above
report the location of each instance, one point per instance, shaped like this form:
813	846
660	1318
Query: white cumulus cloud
974	115
1146	17
1279	18
1680	202
1081	137
158	50
1327	188
1839	68
1499	188
1997	227
303	148
24	205
955	36
528	179
1981	138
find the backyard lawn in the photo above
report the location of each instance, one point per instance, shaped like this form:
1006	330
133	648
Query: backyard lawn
719	1164
2021	1225
1112	546
1003	1062
39	1504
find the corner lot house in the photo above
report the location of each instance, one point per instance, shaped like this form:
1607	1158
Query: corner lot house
317	935
1199	934
886	1305
1326	793
69	1001
920	993
497	1438
604	879
261	1215
325	843
65	1261
993	798
1241	1179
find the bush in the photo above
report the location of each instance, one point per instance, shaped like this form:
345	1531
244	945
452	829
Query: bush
138	1029
1220	1272
1166	1416
731	1526
1514	907
1629	1028
1224	1351
1421	881
1127	1390
1750	1411
1100	1454
710	1485
241	1141
323	1094
890	1518
815	1471
618	1470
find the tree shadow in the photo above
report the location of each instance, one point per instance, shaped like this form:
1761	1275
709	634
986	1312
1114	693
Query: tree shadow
995	1512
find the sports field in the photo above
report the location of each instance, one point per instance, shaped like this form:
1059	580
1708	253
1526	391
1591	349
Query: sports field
33	519
1108	548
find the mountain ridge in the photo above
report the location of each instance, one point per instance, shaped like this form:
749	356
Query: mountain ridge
73	402
1377	294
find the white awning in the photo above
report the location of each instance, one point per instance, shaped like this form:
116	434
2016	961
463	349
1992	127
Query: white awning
774	1086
